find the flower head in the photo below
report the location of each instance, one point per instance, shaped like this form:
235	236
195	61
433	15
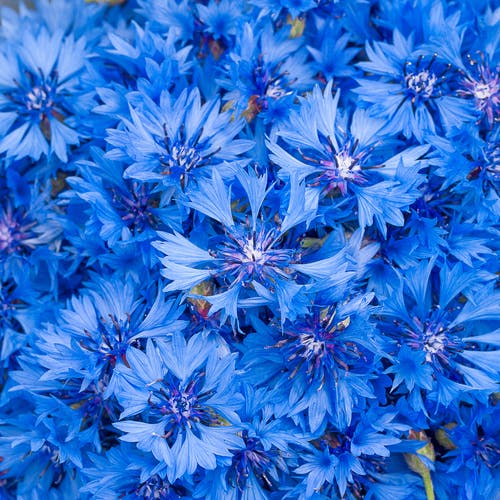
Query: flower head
186	397
418	98
44	95
253	261
125	213
177	141
338	157
94	331
450	341
264	73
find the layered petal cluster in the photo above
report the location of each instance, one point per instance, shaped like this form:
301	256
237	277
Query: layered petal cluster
249	250
251	261
177	140
45	94
346	161
444	347
187	400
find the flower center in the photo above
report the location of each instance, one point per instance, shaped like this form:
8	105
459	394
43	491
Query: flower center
182	406
433	344
252	457
421	83
253	253
136	207
313	348
251	256
338	169
185	157
485	90
12	232
346	165
39	98
435	340
110	341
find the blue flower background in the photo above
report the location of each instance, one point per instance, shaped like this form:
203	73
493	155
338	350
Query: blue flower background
249	250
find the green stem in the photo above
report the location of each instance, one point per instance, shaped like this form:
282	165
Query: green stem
429	489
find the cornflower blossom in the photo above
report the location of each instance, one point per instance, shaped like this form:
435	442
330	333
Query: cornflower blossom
341	161
176	141
45	95
252	262
410	90
442	348
187	398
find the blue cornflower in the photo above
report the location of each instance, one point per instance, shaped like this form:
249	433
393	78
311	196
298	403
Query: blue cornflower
177	140
321	364
410	91
184	396
45	96
259	468
340	156
125	472
441	345
37	462
94	331
252	259
351	461
123	212
264	73
69	366
469	467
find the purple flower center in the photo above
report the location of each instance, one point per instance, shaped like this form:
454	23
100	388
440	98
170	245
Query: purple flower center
432	337
250	255
110	341
182	405
338	168
182	154
136	207
13	233
421	84
313	345
40	98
